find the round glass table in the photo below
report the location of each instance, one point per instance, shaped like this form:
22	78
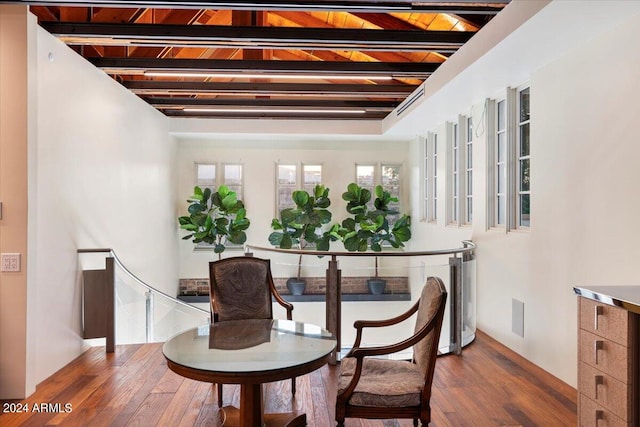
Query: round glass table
250	353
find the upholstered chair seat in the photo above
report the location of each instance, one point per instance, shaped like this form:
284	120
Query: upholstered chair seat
384	383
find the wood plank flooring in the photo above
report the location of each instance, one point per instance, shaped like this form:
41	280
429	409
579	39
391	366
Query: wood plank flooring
488	385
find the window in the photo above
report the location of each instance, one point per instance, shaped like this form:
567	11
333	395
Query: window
500	164
387	175
208	175
524	160
509	149
468	202
453	206
430	177
311	176
289	181
287	184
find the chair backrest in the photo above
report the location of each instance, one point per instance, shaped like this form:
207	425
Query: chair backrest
430	309
240	289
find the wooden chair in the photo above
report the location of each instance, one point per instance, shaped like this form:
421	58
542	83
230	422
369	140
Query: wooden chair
241	288
378	388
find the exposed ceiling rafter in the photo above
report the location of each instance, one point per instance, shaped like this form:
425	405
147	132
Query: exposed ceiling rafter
214	36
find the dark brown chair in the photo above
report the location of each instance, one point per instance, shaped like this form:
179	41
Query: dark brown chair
378	388
241	288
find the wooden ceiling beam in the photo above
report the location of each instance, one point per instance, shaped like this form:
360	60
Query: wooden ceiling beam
236	88
78	33
177	101
490	7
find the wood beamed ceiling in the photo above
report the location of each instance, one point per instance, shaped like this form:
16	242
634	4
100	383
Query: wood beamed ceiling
287	59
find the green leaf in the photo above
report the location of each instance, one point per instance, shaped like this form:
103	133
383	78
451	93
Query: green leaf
218	248
229	201
275	238
300	198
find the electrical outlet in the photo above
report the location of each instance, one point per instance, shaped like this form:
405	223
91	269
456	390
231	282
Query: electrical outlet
10	262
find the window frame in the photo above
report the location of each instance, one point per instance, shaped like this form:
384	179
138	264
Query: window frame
511	165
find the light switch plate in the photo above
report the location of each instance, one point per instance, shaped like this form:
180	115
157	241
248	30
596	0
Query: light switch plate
10	262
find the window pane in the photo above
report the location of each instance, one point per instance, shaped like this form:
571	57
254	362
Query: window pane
312	176
525	210
469	183
501	209
365	176
524	105
286	185
524	140
502	147
524	175
469	129
502	119
469	209
233	179
205	175
502	178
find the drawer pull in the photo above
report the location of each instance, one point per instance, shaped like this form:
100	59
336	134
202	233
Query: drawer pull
597	311
599	379
599	415
597	345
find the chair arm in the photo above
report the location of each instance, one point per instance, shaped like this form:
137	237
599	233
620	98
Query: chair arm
360	352
359	325
287	305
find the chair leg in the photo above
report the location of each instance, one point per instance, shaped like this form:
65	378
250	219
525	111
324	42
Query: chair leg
293	386
219	395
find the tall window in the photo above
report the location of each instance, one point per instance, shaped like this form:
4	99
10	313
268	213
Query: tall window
500	162
366	178
434	181
524	160
468	211
430	177
391	182
510	176
454	175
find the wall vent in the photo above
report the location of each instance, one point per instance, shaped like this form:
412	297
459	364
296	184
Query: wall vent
410	100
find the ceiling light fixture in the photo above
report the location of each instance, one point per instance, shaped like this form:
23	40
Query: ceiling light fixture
265	76
273	110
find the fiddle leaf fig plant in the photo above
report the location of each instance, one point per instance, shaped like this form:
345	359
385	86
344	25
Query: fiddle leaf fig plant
301	225
370	228
215	218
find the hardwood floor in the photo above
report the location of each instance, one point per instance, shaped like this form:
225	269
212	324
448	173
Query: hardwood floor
488	385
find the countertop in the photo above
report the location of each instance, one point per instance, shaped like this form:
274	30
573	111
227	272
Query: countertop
627	297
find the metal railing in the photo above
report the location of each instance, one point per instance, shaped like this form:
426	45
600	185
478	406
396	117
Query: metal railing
120	292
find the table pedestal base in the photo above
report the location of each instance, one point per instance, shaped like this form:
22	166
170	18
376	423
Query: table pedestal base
251	411
289	419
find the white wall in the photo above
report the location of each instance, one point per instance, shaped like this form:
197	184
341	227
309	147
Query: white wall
583	171
105	178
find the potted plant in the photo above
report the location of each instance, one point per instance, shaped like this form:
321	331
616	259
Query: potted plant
302	225
370	228
215	218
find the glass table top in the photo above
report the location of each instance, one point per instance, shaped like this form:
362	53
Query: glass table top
246	346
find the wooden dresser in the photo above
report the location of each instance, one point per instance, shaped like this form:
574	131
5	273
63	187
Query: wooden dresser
609	356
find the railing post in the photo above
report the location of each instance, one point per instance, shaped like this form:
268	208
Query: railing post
110	304
333	304
455	270
149	315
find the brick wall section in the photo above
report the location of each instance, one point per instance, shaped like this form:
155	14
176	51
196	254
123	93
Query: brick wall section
315	285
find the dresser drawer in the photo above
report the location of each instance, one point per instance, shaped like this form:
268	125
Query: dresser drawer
606	356
605	390
605	320
594	415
